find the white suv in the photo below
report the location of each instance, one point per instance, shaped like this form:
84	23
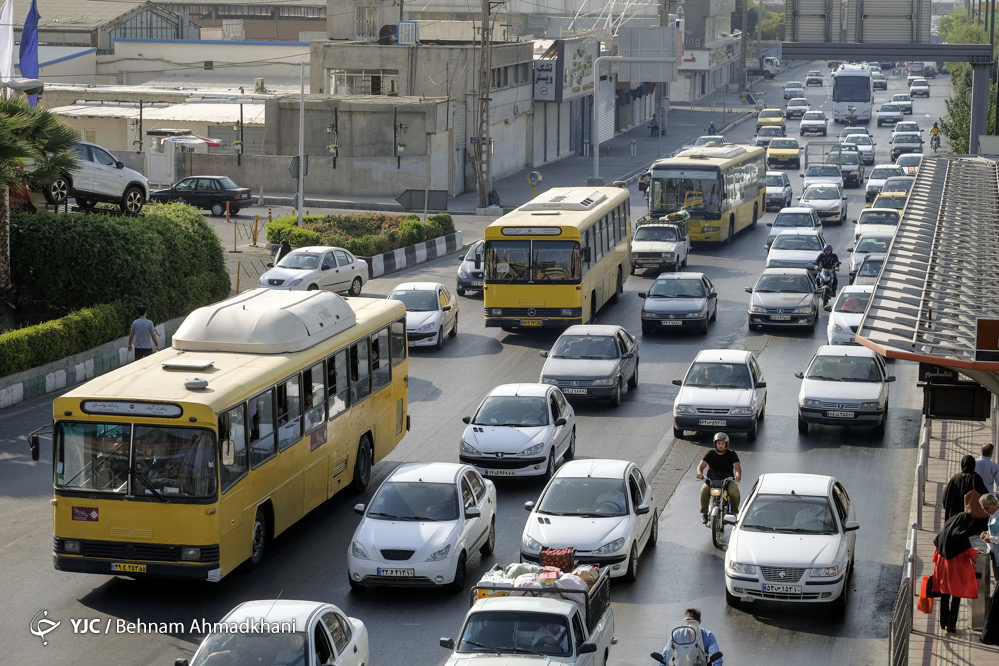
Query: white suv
100	177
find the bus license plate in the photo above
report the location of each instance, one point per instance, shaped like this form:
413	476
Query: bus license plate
476	283
840	415
530	322
780	317
497	472
128	568
402	573
782	589
671	322
576	391
712	422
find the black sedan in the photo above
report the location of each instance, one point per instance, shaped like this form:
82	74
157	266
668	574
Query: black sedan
208	193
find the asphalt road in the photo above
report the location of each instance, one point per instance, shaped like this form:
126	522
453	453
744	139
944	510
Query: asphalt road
309	560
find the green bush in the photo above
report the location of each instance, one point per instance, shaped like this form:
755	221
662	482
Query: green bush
365	234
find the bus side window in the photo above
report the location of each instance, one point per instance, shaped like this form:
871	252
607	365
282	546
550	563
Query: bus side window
360	371
232	426
314	397
289	412
588	246
261	415
380	366
398	341
338	383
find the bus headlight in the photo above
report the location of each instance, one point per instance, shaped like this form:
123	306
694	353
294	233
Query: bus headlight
496	312
190	553
71	546
565	312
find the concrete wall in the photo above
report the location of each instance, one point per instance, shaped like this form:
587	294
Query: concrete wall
76	69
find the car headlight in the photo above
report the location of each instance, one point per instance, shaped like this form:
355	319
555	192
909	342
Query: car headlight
462	273
262	282
803	310
825	572
740	568
549	380
295	283
648	315
703	312
530	544
837	328
812	402
357	550
869	405
426	328
468	449
667	255
604	381
711	229
532	450
756	309
742	411
684	409
774	264
440	554
612	547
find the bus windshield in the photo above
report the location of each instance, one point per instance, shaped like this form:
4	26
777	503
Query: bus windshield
532	261
851	89
167	462
697	191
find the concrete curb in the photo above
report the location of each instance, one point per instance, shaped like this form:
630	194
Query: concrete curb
315	202
411	255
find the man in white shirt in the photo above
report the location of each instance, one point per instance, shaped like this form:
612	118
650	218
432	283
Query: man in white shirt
986	468
552	638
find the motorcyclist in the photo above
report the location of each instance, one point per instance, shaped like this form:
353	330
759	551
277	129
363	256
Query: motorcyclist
935	136
711	128
828	259
851	116
721	463
692	618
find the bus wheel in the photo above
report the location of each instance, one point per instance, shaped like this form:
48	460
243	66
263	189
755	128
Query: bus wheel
756	216
257	539
362	466
593	307
731	229
619	288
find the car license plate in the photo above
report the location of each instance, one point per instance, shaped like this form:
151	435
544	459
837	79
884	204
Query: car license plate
780	317
128	568
671	322
712	422
404	573
476	283
575	391
497	472
530	322
782	589
853	340
840	415
781	158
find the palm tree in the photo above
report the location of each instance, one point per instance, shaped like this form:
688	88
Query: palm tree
34	149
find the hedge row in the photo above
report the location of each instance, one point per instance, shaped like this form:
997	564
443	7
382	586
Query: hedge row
365	235
82	277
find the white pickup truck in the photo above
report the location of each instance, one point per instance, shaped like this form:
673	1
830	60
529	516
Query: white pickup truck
660	243
554	626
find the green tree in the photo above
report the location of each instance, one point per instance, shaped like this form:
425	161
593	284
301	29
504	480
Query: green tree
773	27
956	125
34	149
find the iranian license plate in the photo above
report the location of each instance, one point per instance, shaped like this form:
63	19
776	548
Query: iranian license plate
781	158
780	317
840	415
476	283
403	573
782	589
712	422
575	391
124	567
671	322
530	322
497	472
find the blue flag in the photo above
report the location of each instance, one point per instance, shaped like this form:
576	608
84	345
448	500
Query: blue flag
29	48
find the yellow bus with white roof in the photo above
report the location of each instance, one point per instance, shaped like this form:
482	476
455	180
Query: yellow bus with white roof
184	464
554	261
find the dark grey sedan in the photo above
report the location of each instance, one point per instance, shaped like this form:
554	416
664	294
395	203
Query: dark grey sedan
784	297
679	301
592	362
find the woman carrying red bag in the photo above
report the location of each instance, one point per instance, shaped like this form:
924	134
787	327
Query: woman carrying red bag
954	567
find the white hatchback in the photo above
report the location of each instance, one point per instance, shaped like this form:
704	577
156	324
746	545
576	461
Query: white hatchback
866	244
604	509
421	526
317	267
878	176
431	312
845	314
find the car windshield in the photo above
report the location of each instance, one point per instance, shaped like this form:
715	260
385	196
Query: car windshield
584	496
677	289
852	302
517	632
870	244
906	138
894	185
719	375
859	139
421	300
770	113
513	410
843	369
898	203
822	171
228	183
415	501
784	144
254	648
775	181
890	108
793	84
817	192
798	101
783	284
299	261
814	115
664	234
900	98
771	131
796	242
847	157
790	514
909	160
870	267
585	347
878	217
884	173
794	220
906	127
704	140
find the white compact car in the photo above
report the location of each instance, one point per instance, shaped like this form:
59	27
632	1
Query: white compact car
878	176
470	274
431	312
723	389
304	633
794	541
865	146
827	200
779	192
797	107
604	509
795	248
870	269
793	218
421	526
822	174
876	221
866	244
845	314
844	386
520	430
813	122
317	267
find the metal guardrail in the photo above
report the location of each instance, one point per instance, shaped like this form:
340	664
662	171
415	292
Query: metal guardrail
901	626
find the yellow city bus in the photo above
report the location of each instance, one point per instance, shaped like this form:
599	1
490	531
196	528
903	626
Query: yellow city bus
557	259
186	463
722	187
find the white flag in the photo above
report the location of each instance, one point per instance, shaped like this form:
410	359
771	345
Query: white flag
7	41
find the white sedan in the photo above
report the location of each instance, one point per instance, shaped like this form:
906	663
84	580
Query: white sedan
794	541
431	312
422	525
520	430
603	508
845	314
304	633
844	386
317	267
795	248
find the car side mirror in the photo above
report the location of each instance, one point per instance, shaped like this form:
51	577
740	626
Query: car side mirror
749	290
359	509
270	264
641	509
473	512
658	657
890	378
228	452
712	294
447	643
478	263
180	662
35	446
466	419
529	505
770	224
119	164
587	648
844	198
543	354
560	421
828	308
851	525
642	294
628	355
799	375
677	382
715	656
325	267
730	519
761	384
446	308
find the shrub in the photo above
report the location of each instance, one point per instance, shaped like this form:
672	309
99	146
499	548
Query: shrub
365	234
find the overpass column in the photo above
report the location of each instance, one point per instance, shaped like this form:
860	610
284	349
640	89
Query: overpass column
981	76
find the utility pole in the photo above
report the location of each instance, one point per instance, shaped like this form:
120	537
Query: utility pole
745	44
483	175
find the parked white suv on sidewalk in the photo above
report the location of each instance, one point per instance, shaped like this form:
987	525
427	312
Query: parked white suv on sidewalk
100	177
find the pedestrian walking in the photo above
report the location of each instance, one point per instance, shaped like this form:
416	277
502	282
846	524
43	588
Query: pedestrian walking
990	631
282	251
143	334
986	468
954	567
960	485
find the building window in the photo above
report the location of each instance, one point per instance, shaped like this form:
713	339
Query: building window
365	23
364	82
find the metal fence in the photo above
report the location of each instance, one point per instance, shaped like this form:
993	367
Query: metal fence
901	625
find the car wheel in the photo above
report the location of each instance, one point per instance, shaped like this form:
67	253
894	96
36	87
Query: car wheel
362	466
550	469
731	599
440	339
218	210
58	190
632	572
460	292
616	398
458	584
756	215
633	382
355	287
787	202
654	533
490	545
678	432
132	201
258	538
879	429
570	451
354	585
454	329
86	204
763	412
313	287
838	605
802	426
751	435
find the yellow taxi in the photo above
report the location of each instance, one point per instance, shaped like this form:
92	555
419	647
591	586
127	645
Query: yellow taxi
894	200
784	154
770	118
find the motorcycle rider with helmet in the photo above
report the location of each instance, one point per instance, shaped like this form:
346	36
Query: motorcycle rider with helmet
711	128
721	463
935	136
828	259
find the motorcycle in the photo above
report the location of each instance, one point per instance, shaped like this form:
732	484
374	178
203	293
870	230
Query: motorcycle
827	283
699	660
851	116
935	142
719	506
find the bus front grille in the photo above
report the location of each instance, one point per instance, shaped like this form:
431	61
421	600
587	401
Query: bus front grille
530	313
136	551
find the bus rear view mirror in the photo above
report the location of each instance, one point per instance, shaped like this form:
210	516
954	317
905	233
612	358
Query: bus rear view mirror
228	452
35	446
586	254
